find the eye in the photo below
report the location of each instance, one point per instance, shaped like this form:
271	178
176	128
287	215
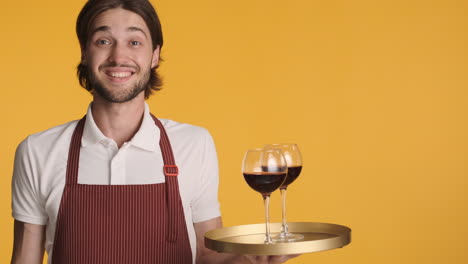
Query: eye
103	42
135	43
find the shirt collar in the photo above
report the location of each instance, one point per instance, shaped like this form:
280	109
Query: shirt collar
91	133
147	136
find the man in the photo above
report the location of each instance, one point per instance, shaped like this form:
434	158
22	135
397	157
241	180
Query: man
119	185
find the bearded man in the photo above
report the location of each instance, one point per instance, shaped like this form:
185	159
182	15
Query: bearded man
119	185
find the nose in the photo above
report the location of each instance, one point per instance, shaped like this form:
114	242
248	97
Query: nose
118	54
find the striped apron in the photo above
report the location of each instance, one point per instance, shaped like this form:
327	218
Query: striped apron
121	224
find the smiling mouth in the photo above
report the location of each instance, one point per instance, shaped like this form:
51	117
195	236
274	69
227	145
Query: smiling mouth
119	74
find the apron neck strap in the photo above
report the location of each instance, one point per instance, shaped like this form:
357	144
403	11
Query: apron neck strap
170	168
74	153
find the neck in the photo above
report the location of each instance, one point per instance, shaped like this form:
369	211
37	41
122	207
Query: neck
119	121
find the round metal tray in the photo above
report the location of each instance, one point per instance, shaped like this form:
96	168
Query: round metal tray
249	239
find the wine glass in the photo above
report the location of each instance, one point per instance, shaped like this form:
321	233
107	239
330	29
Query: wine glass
294	161
264	171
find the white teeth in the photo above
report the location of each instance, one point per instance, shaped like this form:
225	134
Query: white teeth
120	74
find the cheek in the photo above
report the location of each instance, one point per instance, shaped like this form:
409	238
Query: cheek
95	60
93	64
145	58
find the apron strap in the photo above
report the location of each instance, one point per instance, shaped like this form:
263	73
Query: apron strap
171	172
74	154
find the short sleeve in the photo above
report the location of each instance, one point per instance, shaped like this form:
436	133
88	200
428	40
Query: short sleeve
27	206
205	205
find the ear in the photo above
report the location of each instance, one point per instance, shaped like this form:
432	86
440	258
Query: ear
155	60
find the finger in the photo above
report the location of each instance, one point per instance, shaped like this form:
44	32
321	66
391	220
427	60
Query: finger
281	259
276	259
257	259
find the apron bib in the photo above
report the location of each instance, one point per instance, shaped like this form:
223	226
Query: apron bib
121	224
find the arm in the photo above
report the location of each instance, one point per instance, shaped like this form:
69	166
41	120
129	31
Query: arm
27	209
207	256
28	245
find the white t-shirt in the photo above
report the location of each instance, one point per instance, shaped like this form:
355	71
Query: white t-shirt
41	161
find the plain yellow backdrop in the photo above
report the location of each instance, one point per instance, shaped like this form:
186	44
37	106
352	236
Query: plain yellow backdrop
374	92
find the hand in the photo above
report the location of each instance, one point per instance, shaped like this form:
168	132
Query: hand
207	256
268	259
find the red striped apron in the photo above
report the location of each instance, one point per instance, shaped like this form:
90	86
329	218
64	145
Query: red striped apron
121	224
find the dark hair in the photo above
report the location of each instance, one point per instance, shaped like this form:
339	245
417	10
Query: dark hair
86	18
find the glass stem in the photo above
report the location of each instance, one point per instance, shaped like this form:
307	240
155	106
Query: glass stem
266	201
284	226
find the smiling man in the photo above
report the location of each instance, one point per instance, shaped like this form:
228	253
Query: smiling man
118	186
119	55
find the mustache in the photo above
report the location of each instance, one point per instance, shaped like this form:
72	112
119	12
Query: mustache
113	64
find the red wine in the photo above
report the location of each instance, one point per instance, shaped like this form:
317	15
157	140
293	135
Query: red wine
293	173
264	182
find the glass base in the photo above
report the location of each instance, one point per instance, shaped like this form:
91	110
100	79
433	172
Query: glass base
287	237
268	240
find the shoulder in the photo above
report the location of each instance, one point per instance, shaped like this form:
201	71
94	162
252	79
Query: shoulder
177	129
45	141
41	157
186	137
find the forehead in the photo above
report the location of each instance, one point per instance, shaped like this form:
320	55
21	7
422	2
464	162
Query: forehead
119	19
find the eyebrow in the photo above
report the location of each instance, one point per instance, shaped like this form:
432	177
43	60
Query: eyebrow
133	29
107	29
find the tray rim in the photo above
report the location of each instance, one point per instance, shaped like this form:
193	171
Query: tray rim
342	238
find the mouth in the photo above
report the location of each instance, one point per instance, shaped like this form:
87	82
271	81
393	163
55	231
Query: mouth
119	74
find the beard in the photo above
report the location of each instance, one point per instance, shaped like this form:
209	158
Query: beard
124	95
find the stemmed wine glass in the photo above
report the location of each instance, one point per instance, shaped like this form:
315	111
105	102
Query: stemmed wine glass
265	170
294	161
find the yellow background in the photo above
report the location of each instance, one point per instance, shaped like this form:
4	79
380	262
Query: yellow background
374	92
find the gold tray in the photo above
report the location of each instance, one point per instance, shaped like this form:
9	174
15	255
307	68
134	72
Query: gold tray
248	239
